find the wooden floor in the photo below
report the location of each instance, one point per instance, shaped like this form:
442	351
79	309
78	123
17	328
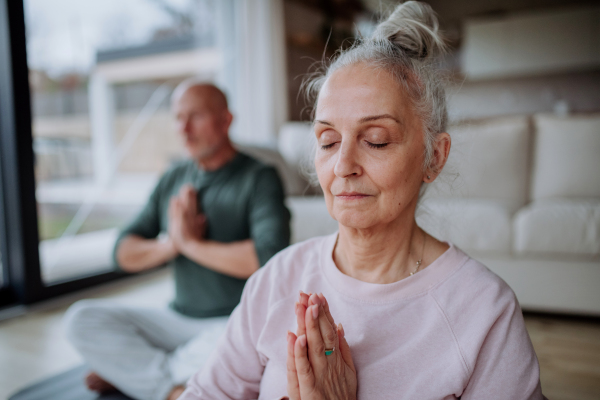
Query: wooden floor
569	353
33	345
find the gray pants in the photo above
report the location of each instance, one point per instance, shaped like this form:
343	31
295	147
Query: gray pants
142	352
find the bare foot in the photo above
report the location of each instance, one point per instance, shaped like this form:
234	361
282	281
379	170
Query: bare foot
176	392
94	382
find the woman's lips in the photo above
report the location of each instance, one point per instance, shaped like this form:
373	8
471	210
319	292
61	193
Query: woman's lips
351	196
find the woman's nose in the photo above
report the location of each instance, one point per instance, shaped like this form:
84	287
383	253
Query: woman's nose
347	163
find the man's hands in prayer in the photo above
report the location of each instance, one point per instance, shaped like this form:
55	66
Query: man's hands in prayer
187	235
310	373
186	223
137	253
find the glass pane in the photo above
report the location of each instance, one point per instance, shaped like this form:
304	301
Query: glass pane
101	74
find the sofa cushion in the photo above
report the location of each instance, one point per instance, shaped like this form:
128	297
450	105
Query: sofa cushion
472	224
310	218
488	160
558	227
567	157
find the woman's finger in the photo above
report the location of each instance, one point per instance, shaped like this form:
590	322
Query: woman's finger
306	376
304	298
323	302
321	336
300	311
345	348
300	319
293	387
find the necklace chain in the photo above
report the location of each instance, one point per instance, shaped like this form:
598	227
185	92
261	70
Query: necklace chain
420	261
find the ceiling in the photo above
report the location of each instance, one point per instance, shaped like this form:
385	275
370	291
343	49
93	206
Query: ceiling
453	11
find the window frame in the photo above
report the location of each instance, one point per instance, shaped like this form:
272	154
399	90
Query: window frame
19	236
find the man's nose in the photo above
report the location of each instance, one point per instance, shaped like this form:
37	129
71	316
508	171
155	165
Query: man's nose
185	126
347	163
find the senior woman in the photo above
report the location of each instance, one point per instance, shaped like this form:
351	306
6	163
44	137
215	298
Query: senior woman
421	320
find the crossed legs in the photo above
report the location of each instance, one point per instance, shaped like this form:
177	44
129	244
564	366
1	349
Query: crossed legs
147	354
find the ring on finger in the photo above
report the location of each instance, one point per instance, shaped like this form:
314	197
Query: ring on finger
329	352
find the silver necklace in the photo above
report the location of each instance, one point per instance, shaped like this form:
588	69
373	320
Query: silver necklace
420	261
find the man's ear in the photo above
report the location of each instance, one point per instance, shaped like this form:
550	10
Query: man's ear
227	119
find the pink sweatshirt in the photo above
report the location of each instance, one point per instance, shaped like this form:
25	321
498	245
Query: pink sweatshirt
453	330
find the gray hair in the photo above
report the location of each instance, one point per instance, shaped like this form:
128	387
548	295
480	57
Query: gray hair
405	45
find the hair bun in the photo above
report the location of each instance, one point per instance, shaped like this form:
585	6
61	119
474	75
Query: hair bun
413	27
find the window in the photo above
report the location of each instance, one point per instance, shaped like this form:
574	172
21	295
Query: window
85	129
100	75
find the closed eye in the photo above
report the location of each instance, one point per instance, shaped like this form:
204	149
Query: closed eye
327	146
377	145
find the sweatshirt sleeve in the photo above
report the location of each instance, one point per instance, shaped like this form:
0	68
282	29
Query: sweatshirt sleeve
235	369
506	366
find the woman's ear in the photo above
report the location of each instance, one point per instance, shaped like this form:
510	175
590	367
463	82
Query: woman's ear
441	150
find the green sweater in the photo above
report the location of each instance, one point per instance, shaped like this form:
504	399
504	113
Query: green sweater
242	200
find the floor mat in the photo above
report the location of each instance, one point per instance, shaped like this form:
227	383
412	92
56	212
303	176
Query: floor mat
66	386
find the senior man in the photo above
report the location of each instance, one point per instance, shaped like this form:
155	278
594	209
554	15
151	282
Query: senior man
224	216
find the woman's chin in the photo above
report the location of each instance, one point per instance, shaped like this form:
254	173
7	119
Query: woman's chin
354	219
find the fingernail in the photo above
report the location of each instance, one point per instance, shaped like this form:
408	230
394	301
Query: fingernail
341	330
302	340
315	311
315	299
323	299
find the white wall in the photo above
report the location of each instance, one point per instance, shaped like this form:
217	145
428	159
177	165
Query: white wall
532	43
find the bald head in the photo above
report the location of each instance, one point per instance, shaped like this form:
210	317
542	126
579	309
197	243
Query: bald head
207	92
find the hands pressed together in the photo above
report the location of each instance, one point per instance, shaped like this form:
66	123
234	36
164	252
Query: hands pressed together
319	363
185	221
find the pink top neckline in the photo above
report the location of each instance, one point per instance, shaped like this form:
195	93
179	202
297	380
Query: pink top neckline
377	293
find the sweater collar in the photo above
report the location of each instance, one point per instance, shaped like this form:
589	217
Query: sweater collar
418	284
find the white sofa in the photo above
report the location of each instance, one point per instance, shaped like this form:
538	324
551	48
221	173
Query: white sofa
521	194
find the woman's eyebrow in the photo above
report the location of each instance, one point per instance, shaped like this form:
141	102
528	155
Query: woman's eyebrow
365	119
376	117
